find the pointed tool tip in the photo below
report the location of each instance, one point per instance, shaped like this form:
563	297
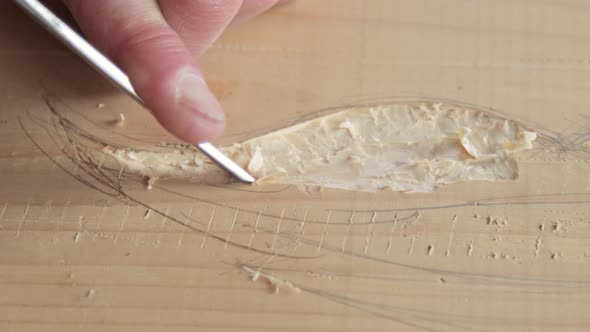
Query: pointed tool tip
247	178
226	163
240	174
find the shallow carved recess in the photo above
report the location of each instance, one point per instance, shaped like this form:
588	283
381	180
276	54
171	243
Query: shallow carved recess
403	147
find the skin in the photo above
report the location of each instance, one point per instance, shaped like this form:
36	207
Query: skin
155	42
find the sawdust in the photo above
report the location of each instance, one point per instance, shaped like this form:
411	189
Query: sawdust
559	226
121	120
321	275
276	284
503	256
149	182
118	122
497	221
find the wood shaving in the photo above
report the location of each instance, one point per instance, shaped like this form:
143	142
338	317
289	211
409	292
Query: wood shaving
276	284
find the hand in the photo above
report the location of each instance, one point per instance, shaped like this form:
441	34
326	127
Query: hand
155	43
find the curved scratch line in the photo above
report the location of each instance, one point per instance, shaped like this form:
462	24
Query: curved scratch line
412	216
123	195
457	274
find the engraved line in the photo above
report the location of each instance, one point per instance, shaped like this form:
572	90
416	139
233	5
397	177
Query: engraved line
430	250
370	232
321	243
3	211
101	161
81	220
539	241
258	215
161	226
393	225
347	233
411	249
451	235
298	241
208	226
120	173
188	220
233	224
122	224
23	220
470	248
274	239
538	245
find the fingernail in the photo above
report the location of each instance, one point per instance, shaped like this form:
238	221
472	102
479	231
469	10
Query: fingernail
193	96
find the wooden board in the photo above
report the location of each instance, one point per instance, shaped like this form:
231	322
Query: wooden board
85	248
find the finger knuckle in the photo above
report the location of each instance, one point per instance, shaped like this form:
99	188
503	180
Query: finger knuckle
146	37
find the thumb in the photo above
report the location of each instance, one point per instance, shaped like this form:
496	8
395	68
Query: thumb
160	67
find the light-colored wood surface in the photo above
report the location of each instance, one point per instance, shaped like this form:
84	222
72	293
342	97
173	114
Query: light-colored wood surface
509	256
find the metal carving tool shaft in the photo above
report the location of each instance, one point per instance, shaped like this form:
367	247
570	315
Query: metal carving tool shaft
105	66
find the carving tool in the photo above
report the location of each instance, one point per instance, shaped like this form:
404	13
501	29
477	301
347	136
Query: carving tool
105	66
